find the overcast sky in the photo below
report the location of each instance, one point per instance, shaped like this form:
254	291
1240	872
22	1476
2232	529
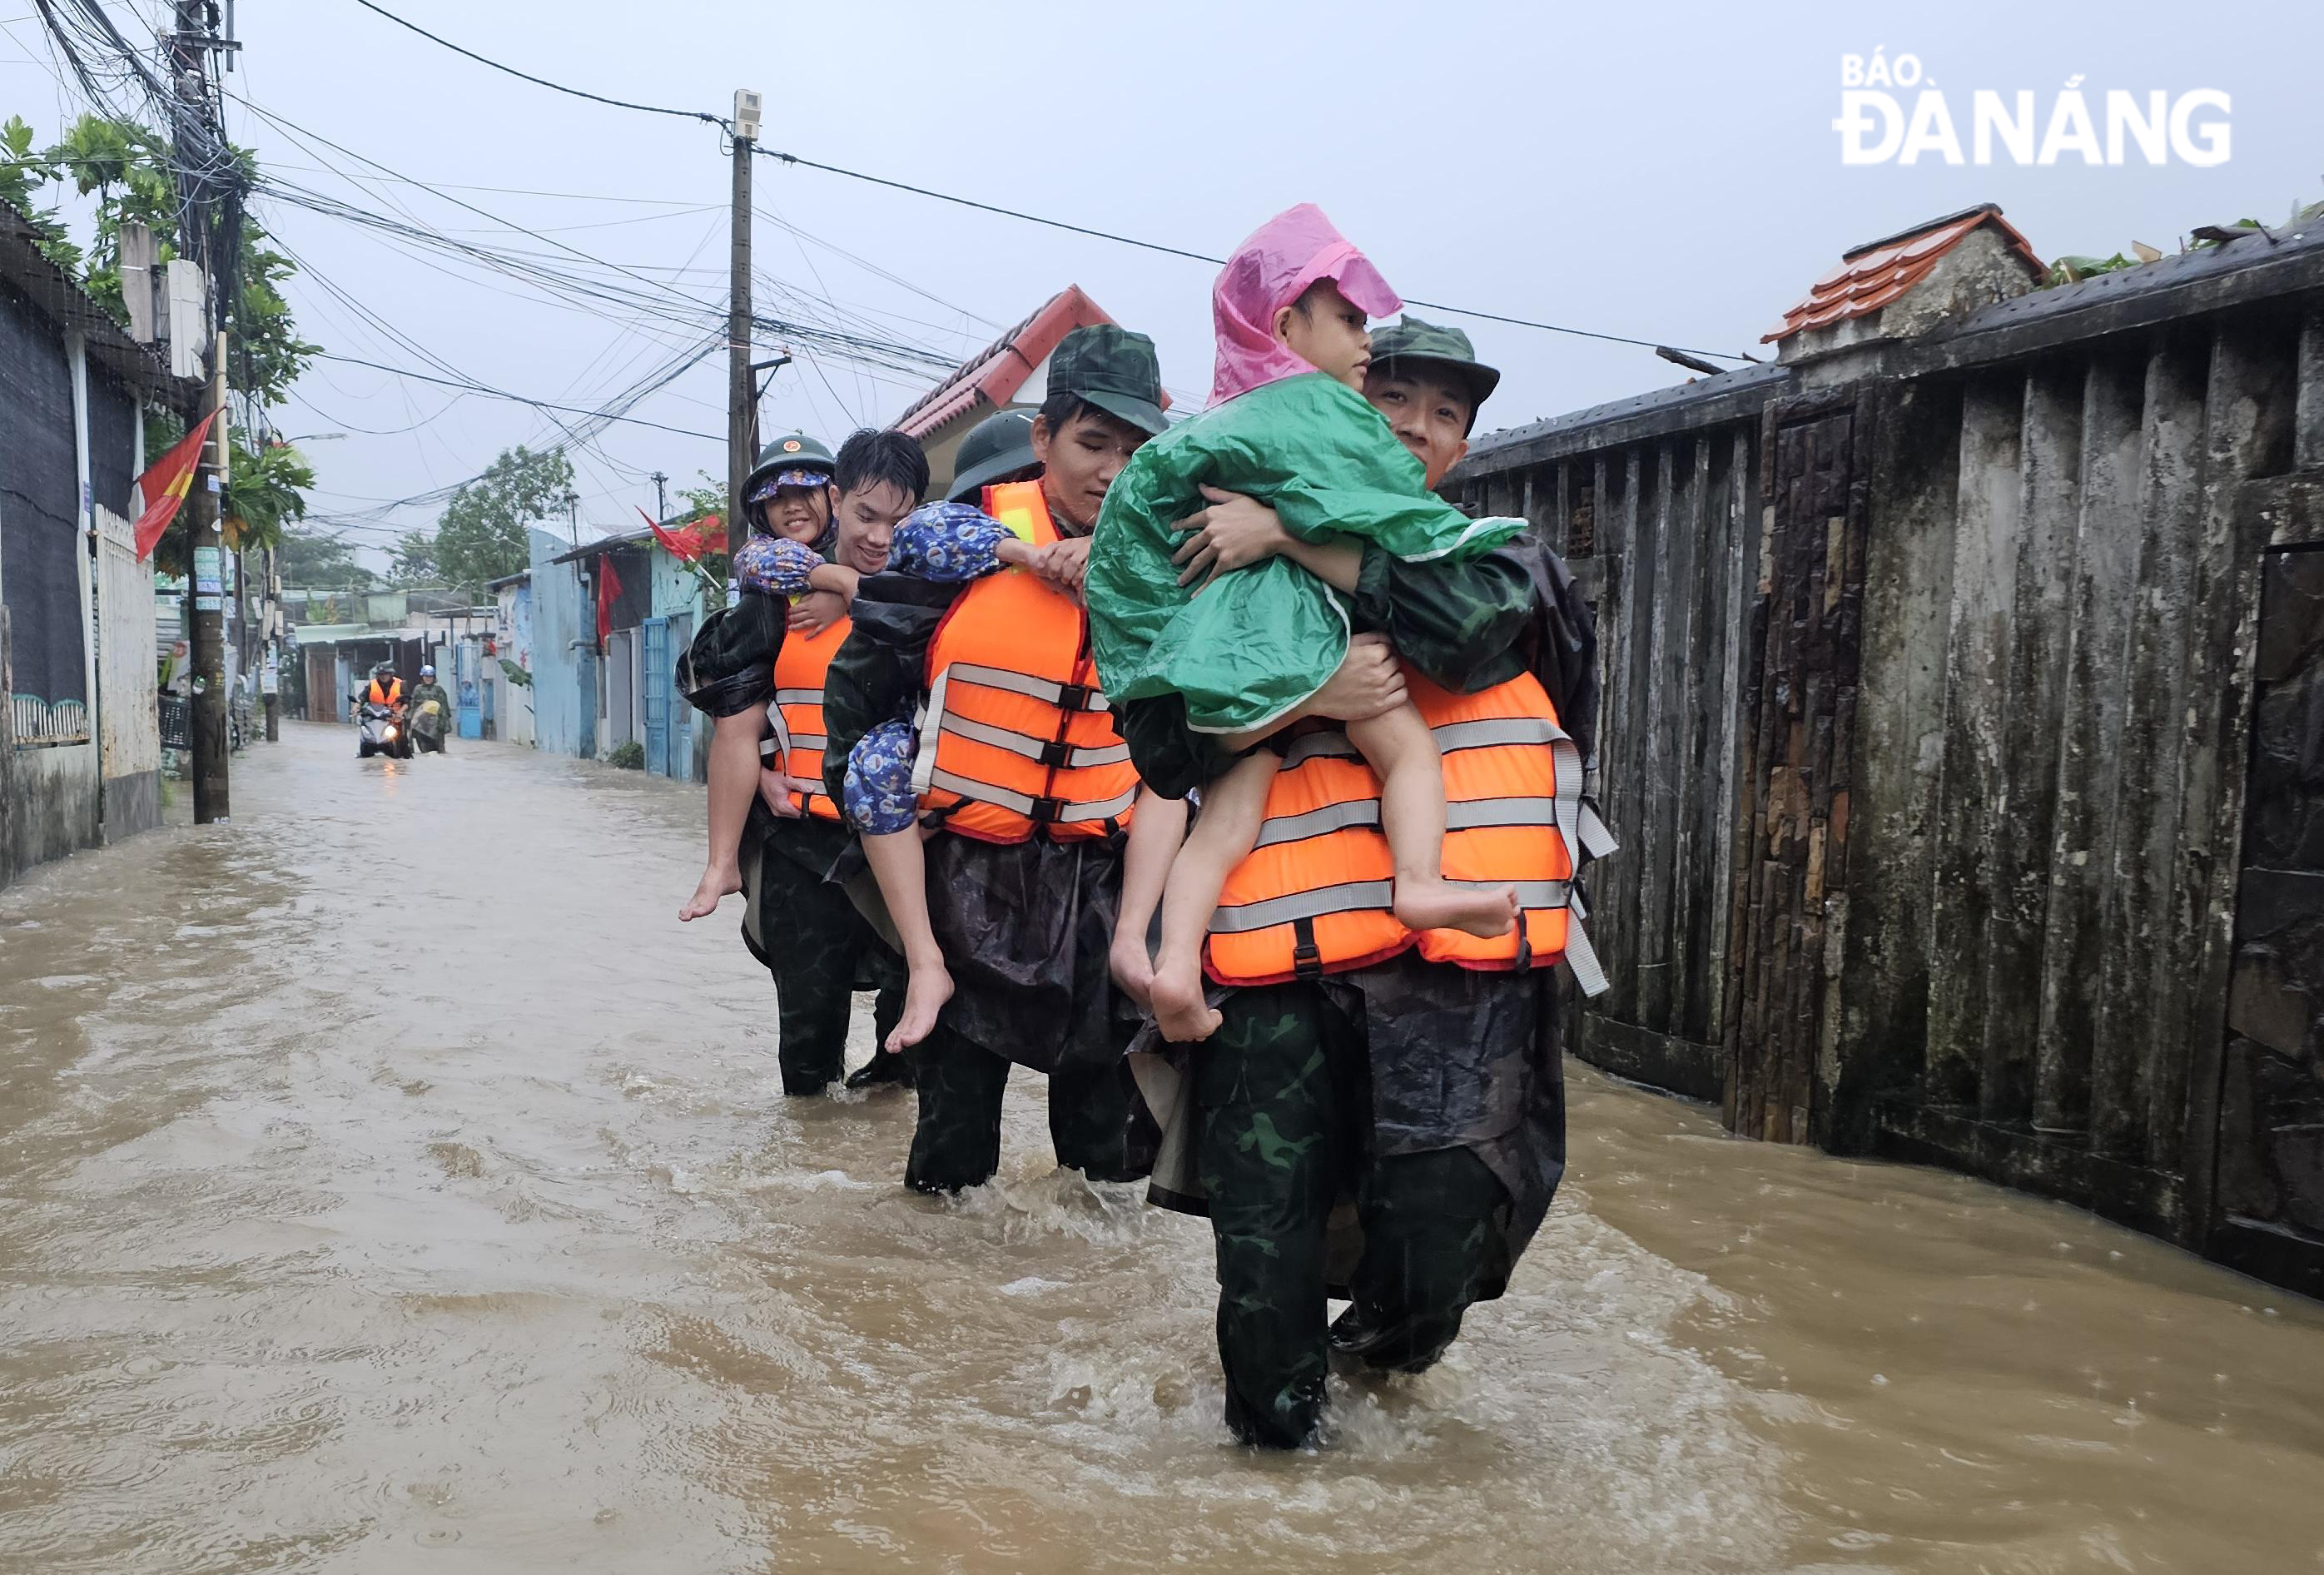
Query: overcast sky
1668	172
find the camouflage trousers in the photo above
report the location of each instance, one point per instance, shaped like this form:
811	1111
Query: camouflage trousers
1096	1118
1283	1095
821	951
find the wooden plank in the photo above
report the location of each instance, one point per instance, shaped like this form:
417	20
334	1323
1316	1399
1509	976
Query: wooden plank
2308	412
1731	583
1984	585
2050	469
1663	1061
2145	782
1626	789
1666	694
2249	432
2101	621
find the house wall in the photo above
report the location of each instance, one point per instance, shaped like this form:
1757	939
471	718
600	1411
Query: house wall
1958	708
564	664
129	724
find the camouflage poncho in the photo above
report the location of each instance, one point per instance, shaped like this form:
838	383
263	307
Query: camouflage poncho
1258	641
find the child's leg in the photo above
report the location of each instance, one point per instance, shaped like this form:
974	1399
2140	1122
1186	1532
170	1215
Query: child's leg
880	805
733	779
1398	747
1234	807
1156	830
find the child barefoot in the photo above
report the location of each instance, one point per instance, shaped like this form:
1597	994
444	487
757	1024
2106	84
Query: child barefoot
787	498
1287	424
950	543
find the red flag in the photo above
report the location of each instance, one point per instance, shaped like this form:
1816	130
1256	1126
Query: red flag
609	586
165	484
681	545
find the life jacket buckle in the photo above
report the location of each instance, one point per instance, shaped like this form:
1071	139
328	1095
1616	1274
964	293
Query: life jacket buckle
1074	696
1055	755
1306	958
1046	811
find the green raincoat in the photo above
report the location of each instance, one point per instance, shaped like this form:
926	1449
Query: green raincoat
1258	641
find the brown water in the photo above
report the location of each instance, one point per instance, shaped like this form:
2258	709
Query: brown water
522	1264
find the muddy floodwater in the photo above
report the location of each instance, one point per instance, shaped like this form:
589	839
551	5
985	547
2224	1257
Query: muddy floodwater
389	1183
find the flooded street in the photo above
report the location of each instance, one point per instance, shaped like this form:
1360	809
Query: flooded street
389	1183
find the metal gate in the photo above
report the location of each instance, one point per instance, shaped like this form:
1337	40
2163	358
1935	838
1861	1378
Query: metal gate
468	683
654	696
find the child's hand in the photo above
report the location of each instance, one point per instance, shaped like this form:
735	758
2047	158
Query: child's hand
817	612
1235	531
1065	563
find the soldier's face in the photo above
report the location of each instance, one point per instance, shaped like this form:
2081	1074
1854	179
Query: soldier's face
1429	415
868	519
1080	460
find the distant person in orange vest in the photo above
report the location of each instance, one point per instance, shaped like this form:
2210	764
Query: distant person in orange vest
1028	792
1417	1076
386	689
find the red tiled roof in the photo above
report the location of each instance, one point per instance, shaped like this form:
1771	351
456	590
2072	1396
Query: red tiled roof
992	377
1872	275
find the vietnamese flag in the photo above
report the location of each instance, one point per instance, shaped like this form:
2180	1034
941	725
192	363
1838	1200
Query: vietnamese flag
165	484
609	586
685	547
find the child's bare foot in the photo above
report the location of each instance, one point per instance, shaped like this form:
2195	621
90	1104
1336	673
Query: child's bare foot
929	987
717	883
1441	905
1180	1012
1133	969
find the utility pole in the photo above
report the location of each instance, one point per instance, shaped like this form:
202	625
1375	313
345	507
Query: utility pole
661	497
189	50
741	406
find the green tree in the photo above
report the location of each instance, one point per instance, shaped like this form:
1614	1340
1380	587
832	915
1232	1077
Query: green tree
482	533
313	561
414	561
22	169
266	489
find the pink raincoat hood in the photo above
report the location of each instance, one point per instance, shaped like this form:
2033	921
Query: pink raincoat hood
1267	273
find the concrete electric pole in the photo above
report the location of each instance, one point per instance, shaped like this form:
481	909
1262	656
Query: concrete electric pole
190	46
742	411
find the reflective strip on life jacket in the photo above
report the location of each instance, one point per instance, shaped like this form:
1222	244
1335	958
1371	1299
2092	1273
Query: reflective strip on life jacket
1015	738
1316	893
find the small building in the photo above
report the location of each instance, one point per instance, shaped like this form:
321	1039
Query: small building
1905	285
509	666
80	743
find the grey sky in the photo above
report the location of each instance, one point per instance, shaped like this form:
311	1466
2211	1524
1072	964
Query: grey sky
1668	172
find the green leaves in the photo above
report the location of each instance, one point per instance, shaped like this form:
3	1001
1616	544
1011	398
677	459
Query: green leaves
481	535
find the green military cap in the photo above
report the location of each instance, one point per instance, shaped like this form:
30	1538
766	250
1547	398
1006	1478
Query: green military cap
793	451
1113	369
996	448
1414	340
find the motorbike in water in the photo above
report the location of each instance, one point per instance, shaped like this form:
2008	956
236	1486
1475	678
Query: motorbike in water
427	727
379	730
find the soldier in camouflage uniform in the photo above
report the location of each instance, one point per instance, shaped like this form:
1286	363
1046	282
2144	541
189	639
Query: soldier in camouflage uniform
1429	1096
1026	928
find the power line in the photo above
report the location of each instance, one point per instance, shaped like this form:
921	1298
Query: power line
1018	214
542	81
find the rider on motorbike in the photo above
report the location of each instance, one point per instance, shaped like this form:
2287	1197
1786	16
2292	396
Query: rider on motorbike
432	726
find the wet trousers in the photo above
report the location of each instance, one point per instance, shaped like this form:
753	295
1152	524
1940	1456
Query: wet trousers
1283	1095
1095	1121
817	947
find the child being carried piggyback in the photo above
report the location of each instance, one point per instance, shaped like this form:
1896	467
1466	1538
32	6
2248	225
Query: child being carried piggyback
1249	650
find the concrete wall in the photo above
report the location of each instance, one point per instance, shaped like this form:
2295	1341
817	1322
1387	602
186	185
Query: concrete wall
129	728
564	655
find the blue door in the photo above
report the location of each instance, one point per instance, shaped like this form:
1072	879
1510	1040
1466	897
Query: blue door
654	701
467	699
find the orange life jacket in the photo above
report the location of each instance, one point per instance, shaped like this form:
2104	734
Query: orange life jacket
1314	896
393	695
796	714
1015	738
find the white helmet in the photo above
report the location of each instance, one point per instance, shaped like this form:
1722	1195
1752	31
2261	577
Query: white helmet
426	671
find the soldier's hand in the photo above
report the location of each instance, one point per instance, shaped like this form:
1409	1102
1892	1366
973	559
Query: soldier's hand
1232	531
1369	681
775	790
